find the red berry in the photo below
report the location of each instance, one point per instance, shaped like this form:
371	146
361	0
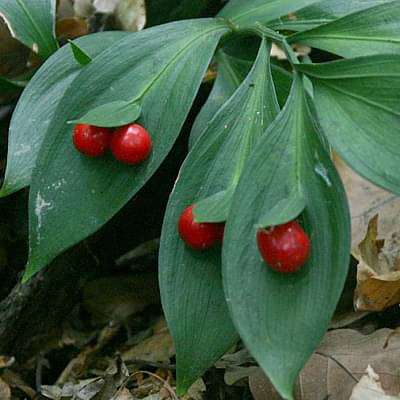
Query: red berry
199	236
131	144
285	248
91	140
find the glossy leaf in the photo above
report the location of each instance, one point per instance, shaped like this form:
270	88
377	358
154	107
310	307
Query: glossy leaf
231	73
375	30
359	111
322	13
71	195
190	281
244	13
116	113
80	55
282	318
32	22
34	111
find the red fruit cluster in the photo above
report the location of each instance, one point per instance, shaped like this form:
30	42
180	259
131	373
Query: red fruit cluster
130	144
199	236
285	248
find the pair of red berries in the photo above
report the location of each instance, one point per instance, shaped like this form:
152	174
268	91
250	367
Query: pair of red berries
285	248
130	144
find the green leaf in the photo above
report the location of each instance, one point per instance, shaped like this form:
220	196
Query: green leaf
80	55
231	73
322	13
375	30
284	210
282	318
244	13
359	112
116	113
190	281
216	207
32	23
34	110
71	195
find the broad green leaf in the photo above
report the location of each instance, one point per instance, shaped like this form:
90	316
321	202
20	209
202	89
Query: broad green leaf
322	13
375	30
245	14
32	23
190	281
80	55
282	318
37	107
112	114
231	73
71	195
359	112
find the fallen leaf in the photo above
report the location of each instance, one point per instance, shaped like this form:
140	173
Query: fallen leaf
5	391
105	6
6	362
157	348
84	390
370	388
71	28
15	381
195	391
338	365
131	15
366	200
378	271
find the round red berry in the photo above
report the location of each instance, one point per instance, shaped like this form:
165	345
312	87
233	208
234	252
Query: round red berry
199	236
131	144
285	248
90	140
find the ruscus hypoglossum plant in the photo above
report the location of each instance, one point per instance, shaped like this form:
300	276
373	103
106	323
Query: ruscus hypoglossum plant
259	159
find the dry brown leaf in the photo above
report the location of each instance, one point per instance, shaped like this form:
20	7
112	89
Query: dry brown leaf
157	348
338	364
5	390
366	200
15	381
6	362
370	388
378	271
71	28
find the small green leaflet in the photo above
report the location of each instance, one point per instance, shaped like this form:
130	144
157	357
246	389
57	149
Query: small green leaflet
34	111
357	103
282	318
32	22
72	196
375	30
114	114
80	55
190	282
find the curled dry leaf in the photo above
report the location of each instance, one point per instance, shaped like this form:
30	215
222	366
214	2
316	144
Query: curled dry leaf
339	364
157	348
71	28
378	274
367	200
370	388
299	49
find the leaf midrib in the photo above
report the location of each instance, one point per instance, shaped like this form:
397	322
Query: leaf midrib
172	61
347	37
